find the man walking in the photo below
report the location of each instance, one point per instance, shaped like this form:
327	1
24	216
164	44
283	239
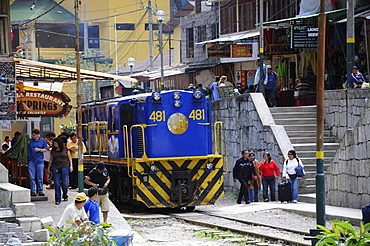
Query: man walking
257	76
270	87
99	178
243	171
36	148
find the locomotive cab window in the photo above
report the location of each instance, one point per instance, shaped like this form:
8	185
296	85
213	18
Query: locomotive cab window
127	115
112	119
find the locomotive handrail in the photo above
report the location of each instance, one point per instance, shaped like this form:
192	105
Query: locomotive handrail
205	124
144	157
127	149
219	129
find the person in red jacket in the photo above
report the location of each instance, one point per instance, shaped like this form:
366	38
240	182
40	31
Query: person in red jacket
270	171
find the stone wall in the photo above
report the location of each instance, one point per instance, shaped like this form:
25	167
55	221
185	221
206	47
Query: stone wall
343	109
249	126
347	177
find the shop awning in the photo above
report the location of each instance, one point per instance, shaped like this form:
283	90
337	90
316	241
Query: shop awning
364	14
27	70
300	17
232	38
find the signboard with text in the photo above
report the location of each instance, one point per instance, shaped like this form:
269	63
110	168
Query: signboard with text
7	90
241	50
304	36
280	49
42	103
218	50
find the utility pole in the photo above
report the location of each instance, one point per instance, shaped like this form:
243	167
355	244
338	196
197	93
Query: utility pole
262	70
320	178
150	25
86	43
115	41
79	104
350	40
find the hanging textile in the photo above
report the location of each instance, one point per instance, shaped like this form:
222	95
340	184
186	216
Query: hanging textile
282	68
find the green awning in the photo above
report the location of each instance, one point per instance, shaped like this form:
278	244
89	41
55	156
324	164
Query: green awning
20	11
300	17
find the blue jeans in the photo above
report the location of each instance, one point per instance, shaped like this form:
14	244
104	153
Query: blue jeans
63	176
255	191
266	184
243	191
294	184
36	174
270	97
251	195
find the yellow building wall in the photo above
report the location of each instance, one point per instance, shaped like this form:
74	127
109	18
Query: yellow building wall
177	45
130	43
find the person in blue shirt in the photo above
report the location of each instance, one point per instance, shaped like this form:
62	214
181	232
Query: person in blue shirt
213	88
270	87
356	78
91	206
36	149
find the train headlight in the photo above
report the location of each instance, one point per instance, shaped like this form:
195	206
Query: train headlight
197	95
176	95
156	96
209	165
153	168
177	103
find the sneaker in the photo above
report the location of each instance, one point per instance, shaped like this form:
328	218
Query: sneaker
41	194
266	200
239	202
294	201
33	194
247	202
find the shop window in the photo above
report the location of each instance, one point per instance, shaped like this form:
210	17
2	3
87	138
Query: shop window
55	35
228	17
247	15
189	42
93	37
125	26
201	33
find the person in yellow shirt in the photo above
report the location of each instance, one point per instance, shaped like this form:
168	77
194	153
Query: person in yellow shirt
73	147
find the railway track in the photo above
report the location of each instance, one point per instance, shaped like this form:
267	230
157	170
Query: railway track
276	235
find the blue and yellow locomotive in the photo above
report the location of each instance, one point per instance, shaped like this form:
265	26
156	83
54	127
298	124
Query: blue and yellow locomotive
161	148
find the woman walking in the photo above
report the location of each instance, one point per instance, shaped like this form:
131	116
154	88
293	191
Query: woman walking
257	180
269	172
290	170
60	165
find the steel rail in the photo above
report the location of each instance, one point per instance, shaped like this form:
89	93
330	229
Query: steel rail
241	231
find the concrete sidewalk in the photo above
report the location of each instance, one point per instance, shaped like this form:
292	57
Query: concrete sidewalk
48	208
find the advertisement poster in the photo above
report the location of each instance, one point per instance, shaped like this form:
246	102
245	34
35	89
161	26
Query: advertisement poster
7	91
241	50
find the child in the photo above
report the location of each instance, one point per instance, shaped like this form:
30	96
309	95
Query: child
91	206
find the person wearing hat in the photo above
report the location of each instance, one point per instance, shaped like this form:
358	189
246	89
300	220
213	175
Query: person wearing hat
74	212
356	78
99	177
290	173
270	87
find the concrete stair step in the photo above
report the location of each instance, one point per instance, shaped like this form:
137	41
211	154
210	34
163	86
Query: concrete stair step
290	115
312	146
13	193
7	214
304	127
301	133
312	139
29	224
307	189
309	197
293	109
25	209
295	121
312	167
311	154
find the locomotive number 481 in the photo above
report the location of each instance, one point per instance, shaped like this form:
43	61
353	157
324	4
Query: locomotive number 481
195	114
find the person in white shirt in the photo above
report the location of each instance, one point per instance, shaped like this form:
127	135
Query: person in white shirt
290	173
257	76
74	212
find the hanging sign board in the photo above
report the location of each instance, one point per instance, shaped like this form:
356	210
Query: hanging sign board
241	50
42	103
304	36
218	50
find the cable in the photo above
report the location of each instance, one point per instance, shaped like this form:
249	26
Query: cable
22	24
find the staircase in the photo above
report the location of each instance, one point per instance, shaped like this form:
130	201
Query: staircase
300	125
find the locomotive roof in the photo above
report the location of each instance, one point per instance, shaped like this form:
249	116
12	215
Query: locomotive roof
118	99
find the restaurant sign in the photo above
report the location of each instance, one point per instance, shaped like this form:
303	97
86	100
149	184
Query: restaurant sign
218	50
241	50
42	103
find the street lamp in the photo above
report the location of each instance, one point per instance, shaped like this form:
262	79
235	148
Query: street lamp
131	63
160	17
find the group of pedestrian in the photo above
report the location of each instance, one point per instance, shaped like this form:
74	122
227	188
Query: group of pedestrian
9	142
251	174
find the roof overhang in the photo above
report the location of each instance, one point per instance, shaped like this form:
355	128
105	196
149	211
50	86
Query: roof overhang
232	38
27	70
365	14
300	17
